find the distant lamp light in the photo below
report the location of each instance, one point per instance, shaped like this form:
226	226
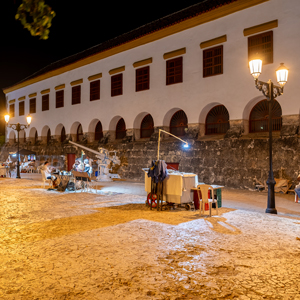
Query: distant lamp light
255	67
282	74
28	118
6	118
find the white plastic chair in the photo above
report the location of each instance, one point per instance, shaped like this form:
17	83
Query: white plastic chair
44	178
204	188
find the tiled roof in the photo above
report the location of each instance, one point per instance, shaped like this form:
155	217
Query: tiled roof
184	14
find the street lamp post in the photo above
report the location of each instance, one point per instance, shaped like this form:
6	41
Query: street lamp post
270	91
158	146
18	127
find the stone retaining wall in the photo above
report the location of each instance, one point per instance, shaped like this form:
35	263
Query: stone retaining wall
234	162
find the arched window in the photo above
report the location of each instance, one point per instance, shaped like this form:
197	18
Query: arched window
147	127
120	129
259	117
98	132
178	123
217	120
36	137
79	133
48	136
63	134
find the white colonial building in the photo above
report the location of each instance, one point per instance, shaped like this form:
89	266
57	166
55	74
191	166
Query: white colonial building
187	70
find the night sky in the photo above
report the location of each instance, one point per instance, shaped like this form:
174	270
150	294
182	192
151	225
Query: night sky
77	26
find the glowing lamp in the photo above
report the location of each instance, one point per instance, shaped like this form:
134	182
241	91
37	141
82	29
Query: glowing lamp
6	118
282	75
28	118
255	67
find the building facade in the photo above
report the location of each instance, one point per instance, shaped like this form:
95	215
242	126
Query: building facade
186	73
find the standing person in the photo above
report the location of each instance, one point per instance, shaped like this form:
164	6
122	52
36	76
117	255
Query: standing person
87	167
297	188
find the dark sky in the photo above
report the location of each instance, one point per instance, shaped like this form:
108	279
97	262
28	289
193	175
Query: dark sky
77	26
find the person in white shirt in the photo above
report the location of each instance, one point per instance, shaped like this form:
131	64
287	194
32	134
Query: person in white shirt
46	168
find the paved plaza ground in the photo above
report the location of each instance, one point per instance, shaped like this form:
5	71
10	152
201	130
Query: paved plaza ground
88	246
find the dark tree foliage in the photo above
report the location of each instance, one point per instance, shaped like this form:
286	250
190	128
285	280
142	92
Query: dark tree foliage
36	16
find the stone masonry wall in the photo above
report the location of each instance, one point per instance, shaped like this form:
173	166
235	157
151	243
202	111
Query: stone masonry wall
231	162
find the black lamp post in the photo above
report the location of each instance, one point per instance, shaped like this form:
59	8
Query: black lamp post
18	127
270	91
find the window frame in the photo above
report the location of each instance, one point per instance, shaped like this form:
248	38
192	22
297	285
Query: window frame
117	85
32	105
59	99
258	49
76	94
21	108
95	90
212	66
142	80
12	110
174	73
45	102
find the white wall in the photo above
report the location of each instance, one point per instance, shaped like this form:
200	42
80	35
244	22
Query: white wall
195	95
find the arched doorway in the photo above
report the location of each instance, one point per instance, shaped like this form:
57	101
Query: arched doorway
217	120
178	123
147	126
79	133
120	129
259	117
98	131
63	134
36	137
48	136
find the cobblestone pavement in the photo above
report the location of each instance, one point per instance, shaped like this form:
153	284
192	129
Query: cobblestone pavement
86	246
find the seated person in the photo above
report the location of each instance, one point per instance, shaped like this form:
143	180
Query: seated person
47	169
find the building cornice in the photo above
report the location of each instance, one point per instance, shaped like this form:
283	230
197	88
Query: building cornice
213	42
76	82
94	77
116	70
143	62
174	53
60	87
259	28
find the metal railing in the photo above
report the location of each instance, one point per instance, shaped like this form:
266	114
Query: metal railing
216	128
262	125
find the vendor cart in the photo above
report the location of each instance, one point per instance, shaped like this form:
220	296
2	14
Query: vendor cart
174	192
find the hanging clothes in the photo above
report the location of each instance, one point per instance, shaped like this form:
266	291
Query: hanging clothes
158	171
